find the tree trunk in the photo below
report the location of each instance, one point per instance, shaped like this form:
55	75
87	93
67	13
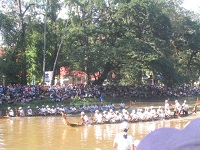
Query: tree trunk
22	42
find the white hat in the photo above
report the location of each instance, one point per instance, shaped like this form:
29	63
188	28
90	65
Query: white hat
28	107
8	107
124	126
82	113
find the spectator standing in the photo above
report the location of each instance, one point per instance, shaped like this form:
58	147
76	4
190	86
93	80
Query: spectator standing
123	140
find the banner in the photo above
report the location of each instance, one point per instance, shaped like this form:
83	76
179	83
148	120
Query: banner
48	76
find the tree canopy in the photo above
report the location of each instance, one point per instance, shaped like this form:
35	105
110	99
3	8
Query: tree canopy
133	39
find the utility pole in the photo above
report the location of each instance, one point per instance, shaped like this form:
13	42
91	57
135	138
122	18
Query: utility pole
44	53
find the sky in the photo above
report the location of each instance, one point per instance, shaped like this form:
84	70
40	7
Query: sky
193	5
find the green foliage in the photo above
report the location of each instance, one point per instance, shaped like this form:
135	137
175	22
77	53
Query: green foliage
124	37
77	101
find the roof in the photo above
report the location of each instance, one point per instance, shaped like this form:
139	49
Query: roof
66	71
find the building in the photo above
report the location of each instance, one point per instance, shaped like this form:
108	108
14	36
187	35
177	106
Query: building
68	76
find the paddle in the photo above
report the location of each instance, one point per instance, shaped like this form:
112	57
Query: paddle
64	116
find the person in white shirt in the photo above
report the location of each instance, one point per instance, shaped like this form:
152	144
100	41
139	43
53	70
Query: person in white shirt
43	110
85	119
177	108
122	105
134	116
167	113
61	109
160	112
167	105
53	110
21	112
185	107
118	117
98	118
29	111
48	110
10	112
123	140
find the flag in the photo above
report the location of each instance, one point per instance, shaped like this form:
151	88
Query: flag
196	104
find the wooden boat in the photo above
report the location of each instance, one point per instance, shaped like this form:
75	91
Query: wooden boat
4	117
155	119
75	125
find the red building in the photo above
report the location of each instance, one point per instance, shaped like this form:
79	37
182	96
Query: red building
68	76
1	53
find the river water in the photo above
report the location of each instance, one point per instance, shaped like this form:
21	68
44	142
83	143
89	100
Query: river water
50	133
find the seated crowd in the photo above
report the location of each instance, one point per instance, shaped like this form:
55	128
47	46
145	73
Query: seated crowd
56	110
25	94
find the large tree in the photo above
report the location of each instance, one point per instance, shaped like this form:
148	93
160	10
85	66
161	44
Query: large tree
128	38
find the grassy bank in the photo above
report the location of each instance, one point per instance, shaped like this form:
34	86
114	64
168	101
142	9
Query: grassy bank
88	101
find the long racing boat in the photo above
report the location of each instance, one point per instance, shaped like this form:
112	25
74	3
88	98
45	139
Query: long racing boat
66	122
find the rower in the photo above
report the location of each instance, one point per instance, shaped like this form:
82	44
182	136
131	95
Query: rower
153	112
177	108
98	118
134	116
118	117
64	118
167	106
167	113
85	119
160	112
185	107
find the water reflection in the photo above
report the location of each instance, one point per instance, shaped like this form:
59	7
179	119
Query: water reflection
98	132
51	133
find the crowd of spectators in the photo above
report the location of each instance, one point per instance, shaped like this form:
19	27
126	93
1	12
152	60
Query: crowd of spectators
22	94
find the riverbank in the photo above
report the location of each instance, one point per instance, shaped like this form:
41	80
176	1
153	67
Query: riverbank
132	102
107	100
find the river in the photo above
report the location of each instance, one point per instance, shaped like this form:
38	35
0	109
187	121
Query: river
50	133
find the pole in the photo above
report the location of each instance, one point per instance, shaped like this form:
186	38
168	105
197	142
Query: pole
44	53
4	80
59	48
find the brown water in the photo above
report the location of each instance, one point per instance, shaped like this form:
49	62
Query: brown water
49	133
